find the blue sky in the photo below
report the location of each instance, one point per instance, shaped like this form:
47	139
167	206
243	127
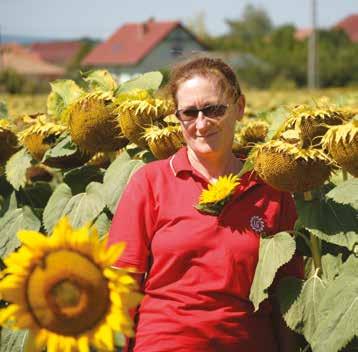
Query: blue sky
100	18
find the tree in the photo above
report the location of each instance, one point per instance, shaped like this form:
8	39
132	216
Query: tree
255	23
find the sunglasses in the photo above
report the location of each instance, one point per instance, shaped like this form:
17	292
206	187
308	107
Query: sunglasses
210	111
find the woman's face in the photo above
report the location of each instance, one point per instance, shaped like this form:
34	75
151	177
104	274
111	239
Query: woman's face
208	136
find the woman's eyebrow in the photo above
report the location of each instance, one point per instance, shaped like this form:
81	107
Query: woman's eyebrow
195	107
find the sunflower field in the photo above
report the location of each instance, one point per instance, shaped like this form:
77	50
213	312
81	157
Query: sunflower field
65	160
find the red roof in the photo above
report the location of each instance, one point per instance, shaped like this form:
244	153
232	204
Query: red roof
130	43
59	52
350	26
23	61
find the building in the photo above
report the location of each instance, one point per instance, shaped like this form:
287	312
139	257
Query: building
60	53
25	62
141	47
350	26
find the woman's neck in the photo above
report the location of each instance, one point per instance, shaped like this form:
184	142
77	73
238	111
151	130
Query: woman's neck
211	167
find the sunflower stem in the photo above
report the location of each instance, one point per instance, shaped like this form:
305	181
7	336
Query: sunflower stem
316	252
345	175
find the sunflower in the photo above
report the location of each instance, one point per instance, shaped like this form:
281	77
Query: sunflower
214	198
64	291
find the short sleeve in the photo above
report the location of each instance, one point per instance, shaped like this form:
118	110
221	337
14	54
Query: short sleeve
133	223
287	219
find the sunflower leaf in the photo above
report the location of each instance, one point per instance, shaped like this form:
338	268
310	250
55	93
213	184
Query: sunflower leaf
274	252
338	311
80	177
63	93
100	80
85	207
13	221
64	148
346	193
299	302
149	80
102	224
330	221
55	206
12	341
16	167
116	178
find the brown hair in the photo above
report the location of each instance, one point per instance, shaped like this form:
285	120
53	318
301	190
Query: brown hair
207	67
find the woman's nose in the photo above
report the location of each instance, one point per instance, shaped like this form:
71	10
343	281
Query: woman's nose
201	121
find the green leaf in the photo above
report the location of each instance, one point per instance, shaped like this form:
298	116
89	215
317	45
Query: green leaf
16	168
64	92
36	195
338	312
80	177
149	80
102	224
248	166
81	209
346	193
12	341
116	178
331	266
275	120
100	80
274	252
55	206
11	223
303	316
85	207
4	113
330	221
64	148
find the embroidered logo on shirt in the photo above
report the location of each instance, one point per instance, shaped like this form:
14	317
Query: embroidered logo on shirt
257	224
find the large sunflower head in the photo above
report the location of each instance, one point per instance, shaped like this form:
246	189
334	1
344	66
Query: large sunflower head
288	167
8	141
64	291
93	123
137	110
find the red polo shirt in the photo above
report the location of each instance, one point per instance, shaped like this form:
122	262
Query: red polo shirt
200	267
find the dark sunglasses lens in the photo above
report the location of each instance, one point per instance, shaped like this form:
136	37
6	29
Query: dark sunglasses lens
214	110
191	113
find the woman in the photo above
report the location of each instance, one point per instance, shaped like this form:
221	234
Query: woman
199	267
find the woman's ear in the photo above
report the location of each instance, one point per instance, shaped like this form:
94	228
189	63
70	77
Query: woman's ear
240	106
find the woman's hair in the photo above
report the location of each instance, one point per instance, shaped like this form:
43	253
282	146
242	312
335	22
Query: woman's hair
207	67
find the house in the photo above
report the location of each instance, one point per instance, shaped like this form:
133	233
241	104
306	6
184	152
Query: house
60	53
25	62
141	47
350	26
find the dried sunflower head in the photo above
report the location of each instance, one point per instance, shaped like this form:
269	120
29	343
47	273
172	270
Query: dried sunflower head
163	142
342	144
40	136
289	168
138	110
93	124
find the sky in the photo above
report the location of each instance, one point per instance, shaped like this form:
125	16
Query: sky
100	18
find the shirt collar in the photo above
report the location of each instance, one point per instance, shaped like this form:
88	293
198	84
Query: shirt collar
179	162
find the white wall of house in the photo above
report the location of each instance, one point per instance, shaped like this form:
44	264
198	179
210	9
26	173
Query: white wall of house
177	45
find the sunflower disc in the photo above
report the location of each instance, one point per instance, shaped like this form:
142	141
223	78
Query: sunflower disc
94	126
287	173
